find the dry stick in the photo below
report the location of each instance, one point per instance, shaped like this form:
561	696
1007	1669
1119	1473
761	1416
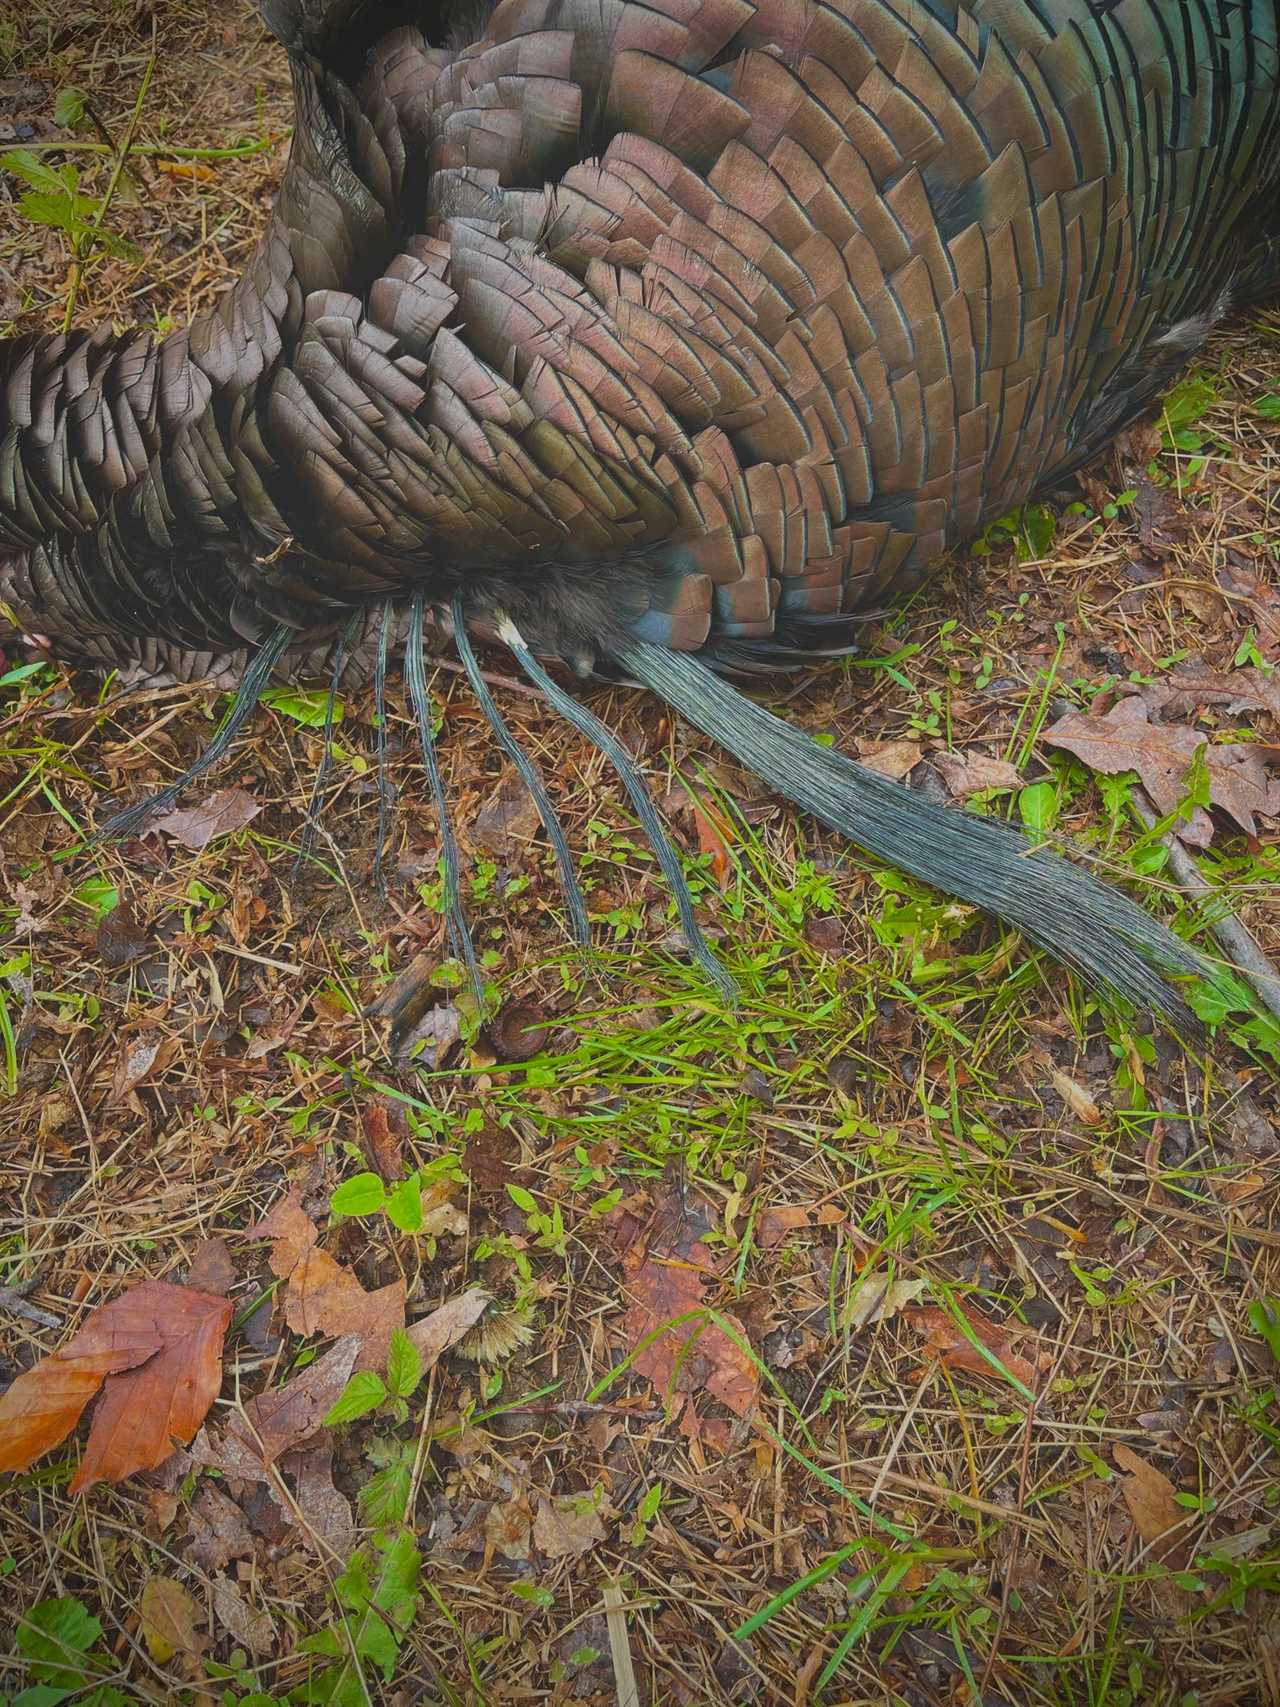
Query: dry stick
14	1300
113	184
1231	936
624	1675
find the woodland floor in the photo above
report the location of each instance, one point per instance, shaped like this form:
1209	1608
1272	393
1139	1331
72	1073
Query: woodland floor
973	1389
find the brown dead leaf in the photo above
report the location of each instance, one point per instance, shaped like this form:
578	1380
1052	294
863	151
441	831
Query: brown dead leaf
211	1268
284	1417
567	1528
1193	687
894	759
326	1513
433	1335
120	939
380	1144
1253	599
507	819
518	1031
968	773
254	1629
196	826
773	1224
664	1281
947	1340
323	1297
1161	754
879	1299
280	1419
219	1532
169	1615
326	1299
1148	1493
275	1035
157	1348
140	1058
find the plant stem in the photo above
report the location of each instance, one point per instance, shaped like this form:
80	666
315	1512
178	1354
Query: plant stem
113	183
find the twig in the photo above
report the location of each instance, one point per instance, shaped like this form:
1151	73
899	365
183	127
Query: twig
113	184
624	1673
1232	938
13	1299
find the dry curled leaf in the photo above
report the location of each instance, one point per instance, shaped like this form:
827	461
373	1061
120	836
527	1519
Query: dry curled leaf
156	1351
945	1338
139	1060
1161	754
169	1615
666	1280
323	1297
196	826
1076	1097
380	1144
880	1299
968	773
565	1528
714	835
1149	1495
433	1335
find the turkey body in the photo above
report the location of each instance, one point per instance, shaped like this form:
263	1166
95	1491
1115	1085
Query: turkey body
649	332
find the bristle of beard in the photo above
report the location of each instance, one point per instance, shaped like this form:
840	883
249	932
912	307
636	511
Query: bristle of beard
496	1336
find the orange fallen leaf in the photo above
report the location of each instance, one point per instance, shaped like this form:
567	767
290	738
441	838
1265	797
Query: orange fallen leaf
291	1230
323	1297
1149	1495
156	1351
187	169
668	1280
947	1339
773	1224
170	1614
894	759
713	838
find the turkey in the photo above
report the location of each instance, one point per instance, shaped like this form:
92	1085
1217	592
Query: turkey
663	341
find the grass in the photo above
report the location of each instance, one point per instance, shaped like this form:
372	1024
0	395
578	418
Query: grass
889	1528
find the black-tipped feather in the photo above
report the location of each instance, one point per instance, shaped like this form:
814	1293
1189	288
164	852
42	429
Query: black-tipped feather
380	743
528	775
252	684
596	732
455	919
312	825
1088	924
